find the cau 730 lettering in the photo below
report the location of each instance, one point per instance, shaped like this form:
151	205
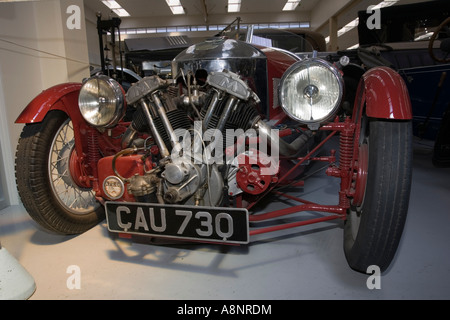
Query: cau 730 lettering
224	225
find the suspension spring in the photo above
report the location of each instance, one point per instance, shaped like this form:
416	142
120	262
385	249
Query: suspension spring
346	144
93	155
346	150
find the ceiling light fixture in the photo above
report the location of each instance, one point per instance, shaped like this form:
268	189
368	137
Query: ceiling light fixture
116	8
111	4
175	6
291	5
384	4
234	5
121	12
349	26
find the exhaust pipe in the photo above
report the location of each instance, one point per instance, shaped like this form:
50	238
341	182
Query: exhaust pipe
285	149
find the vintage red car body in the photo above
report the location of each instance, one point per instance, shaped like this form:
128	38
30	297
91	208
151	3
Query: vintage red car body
98	154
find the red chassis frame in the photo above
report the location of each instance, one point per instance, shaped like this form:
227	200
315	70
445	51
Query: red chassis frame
381	94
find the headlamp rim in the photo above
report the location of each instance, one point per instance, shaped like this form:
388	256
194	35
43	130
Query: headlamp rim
119	96
336	73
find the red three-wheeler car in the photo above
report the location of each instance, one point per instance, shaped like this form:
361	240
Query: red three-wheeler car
190	157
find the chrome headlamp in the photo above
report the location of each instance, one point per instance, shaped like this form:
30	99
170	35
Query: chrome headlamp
101	101
311	91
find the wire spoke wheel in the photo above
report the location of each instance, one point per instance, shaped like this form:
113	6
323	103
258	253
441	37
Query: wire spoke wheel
46	181
74	198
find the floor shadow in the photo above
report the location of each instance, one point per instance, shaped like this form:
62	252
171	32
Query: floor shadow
200	257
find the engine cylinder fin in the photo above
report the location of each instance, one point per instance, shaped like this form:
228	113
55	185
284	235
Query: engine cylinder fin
242	117
178	120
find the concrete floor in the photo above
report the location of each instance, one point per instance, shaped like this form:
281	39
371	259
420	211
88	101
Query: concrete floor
302	263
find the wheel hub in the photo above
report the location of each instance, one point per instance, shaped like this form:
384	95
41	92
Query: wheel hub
361	175
68	166
62	164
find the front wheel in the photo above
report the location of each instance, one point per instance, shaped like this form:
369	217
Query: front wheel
45	181
375	223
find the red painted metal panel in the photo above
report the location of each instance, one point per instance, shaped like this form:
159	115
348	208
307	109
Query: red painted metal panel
278	61
48	100
386	94
126	166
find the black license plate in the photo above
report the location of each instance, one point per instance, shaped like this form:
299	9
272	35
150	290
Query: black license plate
208	224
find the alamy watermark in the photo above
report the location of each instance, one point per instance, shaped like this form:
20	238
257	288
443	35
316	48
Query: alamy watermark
208	147
374	21
73	282
74	19
374	280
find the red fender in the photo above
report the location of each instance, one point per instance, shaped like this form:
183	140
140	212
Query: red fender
386	95
62	97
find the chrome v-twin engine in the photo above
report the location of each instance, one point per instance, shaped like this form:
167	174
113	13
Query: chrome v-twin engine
190	125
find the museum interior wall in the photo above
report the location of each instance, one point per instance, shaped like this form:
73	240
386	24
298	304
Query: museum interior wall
37	51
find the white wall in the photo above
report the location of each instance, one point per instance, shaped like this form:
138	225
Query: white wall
35	46
74	40
324	10
20	78
92	37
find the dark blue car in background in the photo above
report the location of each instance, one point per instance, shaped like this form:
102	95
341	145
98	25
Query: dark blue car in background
415	40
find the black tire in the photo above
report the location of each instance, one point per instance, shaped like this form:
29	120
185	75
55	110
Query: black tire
373	230
34	178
